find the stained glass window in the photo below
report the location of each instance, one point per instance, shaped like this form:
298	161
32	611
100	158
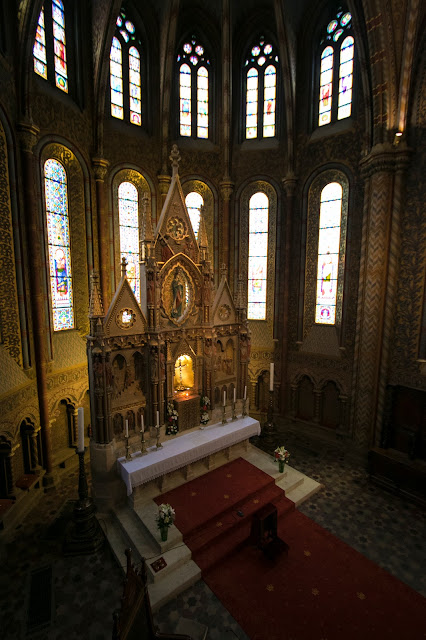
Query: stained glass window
59	46
128	214
135	85
258	256
261	90
194	201
58	236
39	50
193	66
125	72
336	70
328	253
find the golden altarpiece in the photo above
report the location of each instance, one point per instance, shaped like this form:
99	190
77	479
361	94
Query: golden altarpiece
183	342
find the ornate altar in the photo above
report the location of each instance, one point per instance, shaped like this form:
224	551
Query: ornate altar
182	341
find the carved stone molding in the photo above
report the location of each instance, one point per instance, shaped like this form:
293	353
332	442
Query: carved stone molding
28	136
100	168
226	189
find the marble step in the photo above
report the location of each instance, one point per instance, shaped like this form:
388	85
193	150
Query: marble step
174	559
147	515
177	581
139	539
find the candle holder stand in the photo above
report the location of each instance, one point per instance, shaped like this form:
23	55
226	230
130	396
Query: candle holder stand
128	454
224	420
268	430
234	415
84	535
158	443
244	408
143	444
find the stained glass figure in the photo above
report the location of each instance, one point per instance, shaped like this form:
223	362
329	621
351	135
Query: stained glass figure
346	78
116	79
328	253
128	214
193	90
58	240
261	91
194	201
59	45
336	70
258	256
39	49
135	86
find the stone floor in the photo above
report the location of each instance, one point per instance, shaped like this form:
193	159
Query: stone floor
86	589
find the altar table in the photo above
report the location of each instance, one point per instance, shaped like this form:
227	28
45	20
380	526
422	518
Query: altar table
183	450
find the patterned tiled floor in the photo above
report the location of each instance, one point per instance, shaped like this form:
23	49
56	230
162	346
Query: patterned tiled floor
86	589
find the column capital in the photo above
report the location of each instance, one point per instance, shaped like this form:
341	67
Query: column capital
289	184
100	167
385	157
28	135
226	189
164	181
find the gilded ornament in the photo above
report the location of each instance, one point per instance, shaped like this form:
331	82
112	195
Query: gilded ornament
176	228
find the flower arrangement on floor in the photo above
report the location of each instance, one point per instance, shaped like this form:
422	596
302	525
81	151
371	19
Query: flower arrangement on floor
172	420
165	519
204	409
281	455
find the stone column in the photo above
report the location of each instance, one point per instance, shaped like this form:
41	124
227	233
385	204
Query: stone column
226	188
100	167
28	135
33	442
289	183
317	405
383	172
343	407
164	184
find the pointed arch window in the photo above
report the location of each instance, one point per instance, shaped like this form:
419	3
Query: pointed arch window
336	66
258	255
54	56
194	201
128	215
125	72
58	236
193	73
328	253
261	66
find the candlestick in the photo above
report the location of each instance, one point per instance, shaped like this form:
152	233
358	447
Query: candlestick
271	377
234	415
244	408
80	446
143	446
224	414
158	443
128	454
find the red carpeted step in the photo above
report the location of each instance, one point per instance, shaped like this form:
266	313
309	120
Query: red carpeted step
203	498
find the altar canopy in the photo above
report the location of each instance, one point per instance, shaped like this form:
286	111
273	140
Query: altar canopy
184	347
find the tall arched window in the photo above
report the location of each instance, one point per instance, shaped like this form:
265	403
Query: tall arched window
128	214
261	90
58	236
336	70
52	57
258	256
193	70
328	253
194	201
125	72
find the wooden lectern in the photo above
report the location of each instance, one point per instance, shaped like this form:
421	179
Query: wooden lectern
264	534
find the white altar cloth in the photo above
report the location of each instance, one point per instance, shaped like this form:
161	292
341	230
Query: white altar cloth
183	450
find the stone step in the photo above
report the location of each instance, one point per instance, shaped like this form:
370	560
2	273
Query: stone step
304	491
147	515
177	581
174	559
137	536
117	540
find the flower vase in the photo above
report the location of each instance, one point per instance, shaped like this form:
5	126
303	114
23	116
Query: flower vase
164	533
281	465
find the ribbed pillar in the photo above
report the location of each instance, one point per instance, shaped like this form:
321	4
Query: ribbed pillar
226	188
100	168
284	278
28	139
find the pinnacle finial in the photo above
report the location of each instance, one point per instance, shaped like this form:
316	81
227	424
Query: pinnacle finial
175	158
123	266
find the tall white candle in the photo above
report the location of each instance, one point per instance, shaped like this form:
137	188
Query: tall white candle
158	419
127	429
142	424
224	398
271	377
245	392
80	442
235	394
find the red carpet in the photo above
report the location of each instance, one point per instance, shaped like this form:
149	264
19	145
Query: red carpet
323	589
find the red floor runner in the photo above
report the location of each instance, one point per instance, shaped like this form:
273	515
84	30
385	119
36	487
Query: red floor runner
323	590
